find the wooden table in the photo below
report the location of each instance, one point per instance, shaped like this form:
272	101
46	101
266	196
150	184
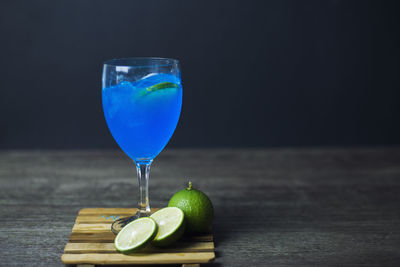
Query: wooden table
273	207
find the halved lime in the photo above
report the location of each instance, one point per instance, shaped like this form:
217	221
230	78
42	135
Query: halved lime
136	235
171	225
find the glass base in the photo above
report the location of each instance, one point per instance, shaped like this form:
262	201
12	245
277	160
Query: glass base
117	225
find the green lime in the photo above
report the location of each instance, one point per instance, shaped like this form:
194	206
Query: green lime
197	208
158	86
171	226
136	235
163	85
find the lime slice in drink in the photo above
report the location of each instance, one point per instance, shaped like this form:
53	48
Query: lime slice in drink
163	85
171	225
158	86
136	235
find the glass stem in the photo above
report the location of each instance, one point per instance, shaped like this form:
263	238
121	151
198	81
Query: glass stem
143	171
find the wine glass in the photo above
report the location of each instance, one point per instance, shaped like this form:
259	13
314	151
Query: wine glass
142	100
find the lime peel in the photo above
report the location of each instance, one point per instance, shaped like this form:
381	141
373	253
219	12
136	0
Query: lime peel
196	206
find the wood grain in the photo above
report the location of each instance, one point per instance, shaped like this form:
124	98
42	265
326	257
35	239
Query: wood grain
110	211
109	247
276	207
152	258
107	237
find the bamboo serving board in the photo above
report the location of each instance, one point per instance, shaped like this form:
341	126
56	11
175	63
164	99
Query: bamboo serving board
92	243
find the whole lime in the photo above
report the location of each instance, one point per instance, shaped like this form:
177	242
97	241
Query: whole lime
196	206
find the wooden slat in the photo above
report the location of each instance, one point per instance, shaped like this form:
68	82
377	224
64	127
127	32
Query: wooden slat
99	227
100	211
108	236
101	215
91	228
115	211
139	258
109	247
103	237
96	218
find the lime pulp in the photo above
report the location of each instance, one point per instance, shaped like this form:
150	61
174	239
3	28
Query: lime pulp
171	225
136	235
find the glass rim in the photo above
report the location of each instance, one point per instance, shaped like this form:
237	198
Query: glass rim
133	62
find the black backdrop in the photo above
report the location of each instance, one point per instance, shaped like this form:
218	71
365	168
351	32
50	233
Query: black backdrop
255	73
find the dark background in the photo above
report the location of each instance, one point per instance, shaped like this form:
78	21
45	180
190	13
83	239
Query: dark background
255	73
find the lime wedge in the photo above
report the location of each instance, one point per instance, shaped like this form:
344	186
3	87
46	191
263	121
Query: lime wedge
136	235
158	86
171	225
163	85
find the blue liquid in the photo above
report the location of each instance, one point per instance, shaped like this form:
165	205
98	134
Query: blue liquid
142	122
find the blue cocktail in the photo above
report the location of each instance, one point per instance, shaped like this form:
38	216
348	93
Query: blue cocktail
142	115
142	100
